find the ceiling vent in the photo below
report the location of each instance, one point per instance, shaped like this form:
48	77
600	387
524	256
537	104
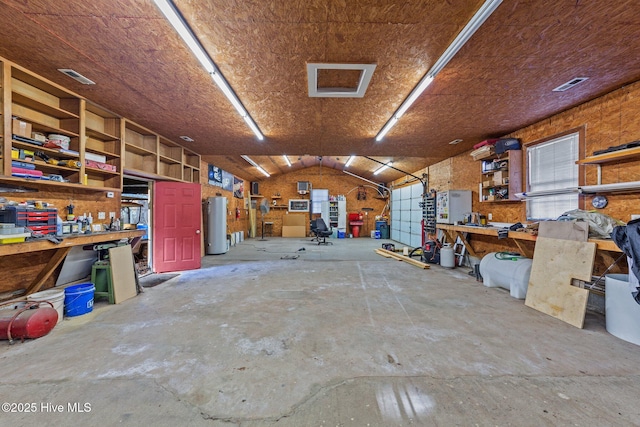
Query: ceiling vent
366	71
571	83
186	138
76	76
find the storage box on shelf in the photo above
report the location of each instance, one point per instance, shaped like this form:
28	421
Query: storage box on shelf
501	177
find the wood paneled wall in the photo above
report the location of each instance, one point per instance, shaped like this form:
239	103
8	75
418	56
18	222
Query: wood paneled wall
337	182
608	121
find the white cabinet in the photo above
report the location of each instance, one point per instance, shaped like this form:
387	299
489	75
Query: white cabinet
334	213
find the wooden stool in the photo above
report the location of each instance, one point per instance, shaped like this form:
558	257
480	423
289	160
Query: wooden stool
102	279
268	228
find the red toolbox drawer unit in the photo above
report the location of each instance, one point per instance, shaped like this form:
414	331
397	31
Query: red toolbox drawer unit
41	230
40	221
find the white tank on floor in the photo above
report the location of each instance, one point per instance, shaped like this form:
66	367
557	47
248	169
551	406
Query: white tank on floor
622	313
511	273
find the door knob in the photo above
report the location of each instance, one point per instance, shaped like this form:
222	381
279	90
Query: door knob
197	231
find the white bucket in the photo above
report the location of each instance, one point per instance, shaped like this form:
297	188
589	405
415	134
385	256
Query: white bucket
54	296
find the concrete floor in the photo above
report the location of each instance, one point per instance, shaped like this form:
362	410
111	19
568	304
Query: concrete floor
337	337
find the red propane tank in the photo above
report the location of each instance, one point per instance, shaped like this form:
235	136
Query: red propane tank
28	322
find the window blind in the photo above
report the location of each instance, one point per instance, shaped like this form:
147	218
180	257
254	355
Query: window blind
552	167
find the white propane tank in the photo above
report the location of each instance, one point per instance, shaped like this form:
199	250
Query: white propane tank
508	272
447	258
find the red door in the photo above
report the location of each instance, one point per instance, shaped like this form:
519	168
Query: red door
177	211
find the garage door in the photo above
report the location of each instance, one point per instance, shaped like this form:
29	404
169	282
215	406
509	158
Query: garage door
406	215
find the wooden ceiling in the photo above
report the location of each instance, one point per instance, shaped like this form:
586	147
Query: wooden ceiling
500	81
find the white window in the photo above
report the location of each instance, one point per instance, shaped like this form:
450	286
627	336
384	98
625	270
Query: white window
552	177
317	197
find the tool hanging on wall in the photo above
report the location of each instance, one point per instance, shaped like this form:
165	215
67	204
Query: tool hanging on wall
362	193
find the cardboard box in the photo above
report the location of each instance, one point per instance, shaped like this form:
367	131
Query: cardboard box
21	128
294	225
295	220
294	231
498	176
486	184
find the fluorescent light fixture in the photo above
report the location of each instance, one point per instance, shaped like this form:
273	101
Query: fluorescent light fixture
286	159
175	19
182	28
248	159
365	179
472	26
618	186
264	172
386	128
542	193
455	141
228	92
253	127
382	168
252	163
186	138
349	161
415	93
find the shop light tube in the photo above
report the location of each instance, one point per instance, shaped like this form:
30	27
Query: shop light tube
472	26
176	20
252	163
349	161
382	168
542	193
286	159
618	186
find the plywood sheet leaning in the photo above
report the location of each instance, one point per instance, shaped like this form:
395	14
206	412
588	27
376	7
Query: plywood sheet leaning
123	275
555	263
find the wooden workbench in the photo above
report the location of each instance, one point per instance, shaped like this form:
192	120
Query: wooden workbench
451	232
60	251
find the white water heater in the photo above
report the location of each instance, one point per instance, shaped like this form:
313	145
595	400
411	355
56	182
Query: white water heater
216	225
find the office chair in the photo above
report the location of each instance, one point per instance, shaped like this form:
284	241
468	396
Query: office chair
312	226
322	232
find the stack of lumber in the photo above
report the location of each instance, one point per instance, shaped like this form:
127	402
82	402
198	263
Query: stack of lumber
389	254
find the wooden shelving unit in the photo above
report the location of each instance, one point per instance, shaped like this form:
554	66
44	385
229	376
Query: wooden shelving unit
190	166
501	177
614	156
102	143
151	155
140	149
626	155
101	140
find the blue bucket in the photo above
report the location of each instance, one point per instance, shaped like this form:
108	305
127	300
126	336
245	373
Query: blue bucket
78	299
